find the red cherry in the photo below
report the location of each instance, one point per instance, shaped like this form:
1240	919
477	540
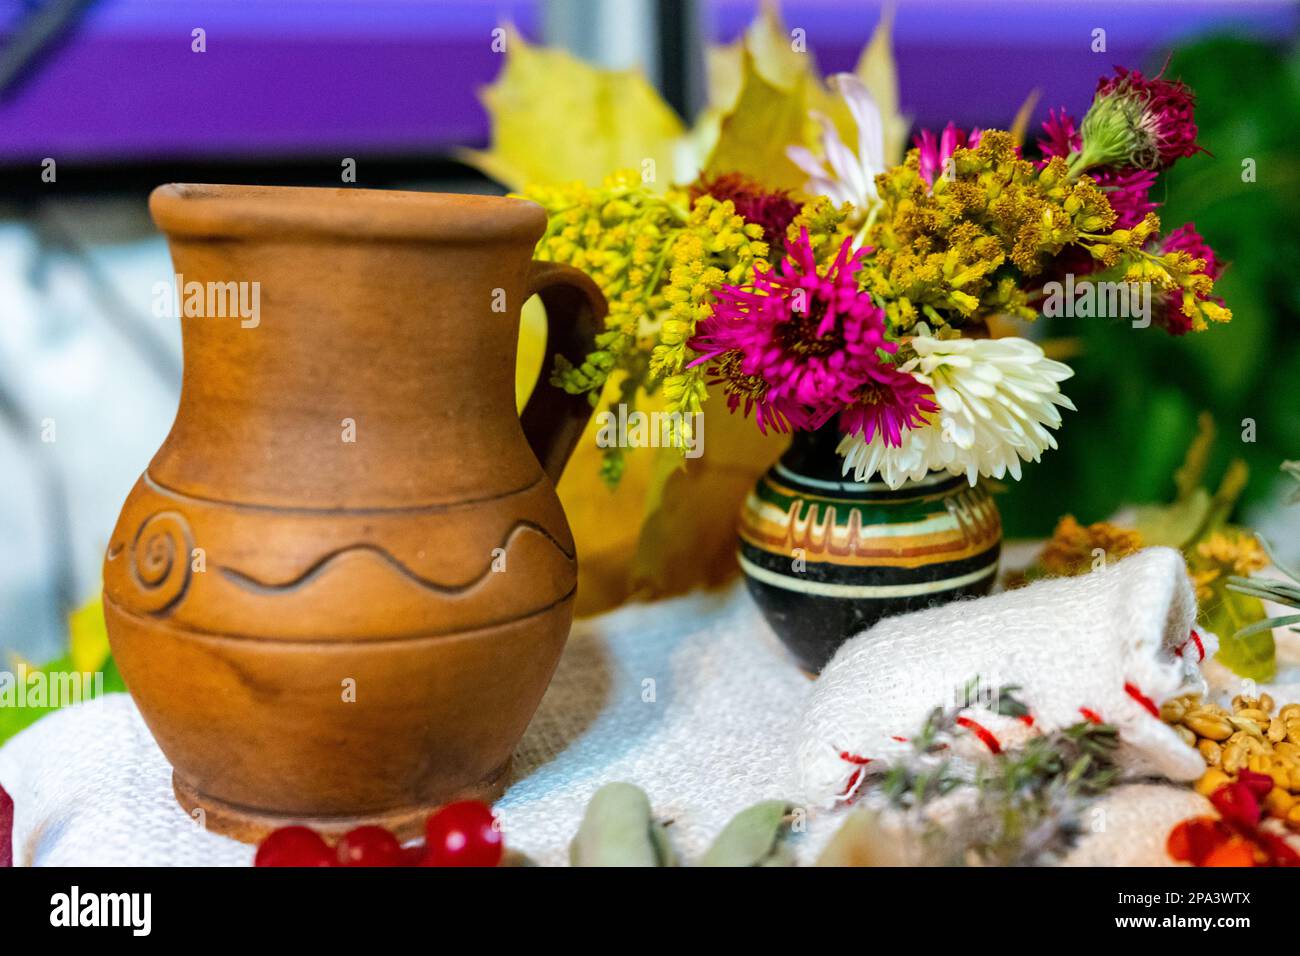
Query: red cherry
463	834
294	846
413	855
369	846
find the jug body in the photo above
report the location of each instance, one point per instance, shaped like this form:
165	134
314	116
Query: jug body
341	586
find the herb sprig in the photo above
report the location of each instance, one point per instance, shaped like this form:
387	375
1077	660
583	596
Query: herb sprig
1024	807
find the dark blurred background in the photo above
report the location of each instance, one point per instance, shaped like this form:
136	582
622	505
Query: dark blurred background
112	98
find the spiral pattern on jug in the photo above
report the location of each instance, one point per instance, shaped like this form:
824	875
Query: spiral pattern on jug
160	560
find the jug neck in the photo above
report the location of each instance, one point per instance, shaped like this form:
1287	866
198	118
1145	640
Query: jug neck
329	373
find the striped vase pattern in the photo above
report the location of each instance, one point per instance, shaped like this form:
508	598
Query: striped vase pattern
826	557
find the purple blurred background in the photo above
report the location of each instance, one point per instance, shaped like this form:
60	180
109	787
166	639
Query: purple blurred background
399	77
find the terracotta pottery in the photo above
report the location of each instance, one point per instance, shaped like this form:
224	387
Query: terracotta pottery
825	557
341	587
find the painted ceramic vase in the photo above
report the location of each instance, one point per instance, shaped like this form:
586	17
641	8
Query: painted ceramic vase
341	586
826	557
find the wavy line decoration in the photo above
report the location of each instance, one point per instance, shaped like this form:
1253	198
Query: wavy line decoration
251	583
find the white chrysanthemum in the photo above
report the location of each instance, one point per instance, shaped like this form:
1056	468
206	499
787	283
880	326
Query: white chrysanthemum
845	176
997	399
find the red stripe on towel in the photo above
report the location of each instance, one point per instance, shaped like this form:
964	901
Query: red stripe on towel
1143	699
982	733
855	777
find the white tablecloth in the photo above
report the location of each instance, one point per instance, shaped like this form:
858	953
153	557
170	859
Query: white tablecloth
693	699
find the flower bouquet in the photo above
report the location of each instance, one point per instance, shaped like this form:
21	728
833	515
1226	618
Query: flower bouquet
871	303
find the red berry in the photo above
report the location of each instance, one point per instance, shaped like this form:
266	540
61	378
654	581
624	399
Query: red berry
294	846
369	846
1257	783
463	834
6	829
413	855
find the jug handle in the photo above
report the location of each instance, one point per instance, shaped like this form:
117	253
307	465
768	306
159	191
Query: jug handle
553	420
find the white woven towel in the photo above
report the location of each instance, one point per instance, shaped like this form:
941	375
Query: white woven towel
1108	645
717	734
694	700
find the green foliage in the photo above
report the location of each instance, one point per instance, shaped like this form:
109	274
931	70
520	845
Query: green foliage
88	654
1139	390
14	718
1196	519
1256	589
1244	648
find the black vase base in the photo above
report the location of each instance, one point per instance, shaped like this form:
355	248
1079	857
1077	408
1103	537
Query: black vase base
812	627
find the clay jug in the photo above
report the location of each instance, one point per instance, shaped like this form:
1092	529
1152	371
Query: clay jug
340	588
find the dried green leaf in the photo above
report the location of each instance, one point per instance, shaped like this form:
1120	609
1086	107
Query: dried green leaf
1176	525
1194	513
618	830
754	837
1292	468
1020	125
1188	477
1246	650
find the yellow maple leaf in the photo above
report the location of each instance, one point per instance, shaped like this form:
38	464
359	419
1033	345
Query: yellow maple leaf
88	636
780	56
677	525
688	539
764	88
531	362
557	119
767	47
753	136
592	121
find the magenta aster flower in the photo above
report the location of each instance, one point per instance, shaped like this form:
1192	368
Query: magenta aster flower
1186	239
935	151
799	344
889	402
1168	309
782	414
1136	121
1062	135
1129	193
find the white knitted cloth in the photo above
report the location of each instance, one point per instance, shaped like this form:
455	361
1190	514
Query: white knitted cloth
694	700
715	732
1103	646
1130	825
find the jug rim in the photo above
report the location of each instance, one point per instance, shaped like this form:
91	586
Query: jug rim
212	210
